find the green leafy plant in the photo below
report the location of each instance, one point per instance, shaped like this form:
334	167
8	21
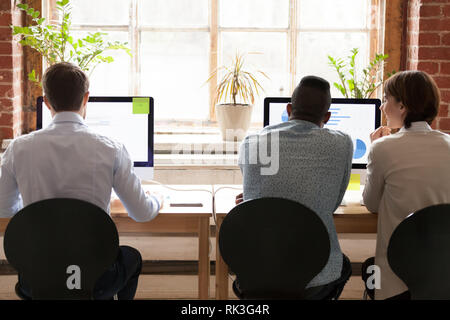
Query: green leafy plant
55	44
237	82
352	86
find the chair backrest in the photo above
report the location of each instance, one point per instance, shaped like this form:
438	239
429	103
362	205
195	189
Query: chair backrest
419	252
275	247
61	247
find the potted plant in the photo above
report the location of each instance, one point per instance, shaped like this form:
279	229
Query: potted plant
352	86
236	90
55	43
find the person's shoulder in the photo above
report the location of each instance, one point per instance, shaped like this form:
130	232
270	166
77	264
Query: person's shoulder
387	144
438	139
335	136
392	139
24	139
333	132
252	137
441	135
249	139
279	127
102	139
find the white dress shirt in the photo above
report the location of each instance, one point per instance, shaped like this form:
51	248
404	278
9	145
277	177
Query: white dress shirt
69	160
406	172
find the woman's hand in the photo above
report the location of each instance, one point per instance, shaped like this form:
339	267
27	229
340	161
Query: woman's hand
379	133
239	198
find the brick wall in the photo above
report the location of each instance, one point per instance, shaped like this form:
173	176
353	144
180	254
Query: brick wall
11	73
428	43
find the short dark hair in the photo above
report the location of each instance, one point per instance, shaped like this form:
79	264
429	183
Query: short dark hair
418	93
311	98
65	85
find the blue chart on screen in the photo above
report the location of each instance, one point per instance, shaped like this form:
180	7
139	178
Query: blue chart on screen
284	116
360	149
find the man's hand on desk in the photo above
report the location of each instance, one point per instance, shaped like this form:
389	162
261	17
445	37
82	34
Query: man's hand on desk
239	198
158	197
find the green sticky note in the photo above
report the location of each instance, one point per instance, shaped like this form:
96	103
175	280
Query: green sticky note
141	105
355	182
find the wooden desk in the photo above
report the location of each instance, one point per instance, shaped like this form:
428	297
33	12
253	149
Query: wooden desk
172	220
353	218
177	220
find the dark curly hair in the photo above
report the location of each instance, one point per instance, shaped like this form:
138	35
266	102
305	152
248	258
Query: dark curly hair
311	98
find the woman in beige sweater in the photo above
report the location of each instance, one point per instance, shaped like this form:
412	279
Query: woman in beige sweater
408	170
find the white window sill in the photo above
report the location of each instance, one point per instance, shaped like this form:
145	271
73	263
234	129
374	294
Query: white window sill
190	148
196	161
195	149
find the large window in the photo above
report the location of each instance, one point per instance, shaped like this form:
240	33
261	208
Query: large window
176	44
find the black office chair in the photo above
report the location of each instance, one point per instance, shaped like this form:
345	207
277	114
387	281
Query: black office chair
48	240
274	246
419	253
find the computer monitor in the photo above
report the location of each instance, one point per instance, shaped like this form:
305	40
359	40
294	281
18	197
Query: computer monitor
121	119
356	117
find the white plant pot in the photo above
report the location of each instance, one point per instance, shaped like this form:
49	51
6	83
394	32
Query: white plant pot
233	120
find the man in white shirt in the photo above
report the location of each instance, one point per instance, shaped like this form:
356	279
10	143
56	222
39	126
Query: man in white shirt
68	160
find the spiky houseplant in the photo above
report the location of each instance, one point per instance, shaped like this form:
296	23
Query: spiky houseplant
236	90
237	84
55	43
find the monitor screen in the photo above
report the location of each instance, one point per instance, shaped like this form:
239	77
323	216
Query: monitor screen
356	117
116	117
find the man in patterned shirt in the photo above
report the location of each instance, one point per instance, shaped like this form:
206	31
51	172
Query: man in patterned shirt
314	165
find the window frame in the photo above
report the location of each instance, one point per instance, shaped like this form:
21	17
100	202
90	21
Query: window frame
374	30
